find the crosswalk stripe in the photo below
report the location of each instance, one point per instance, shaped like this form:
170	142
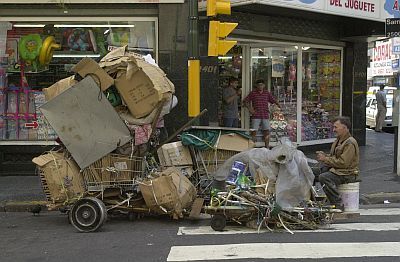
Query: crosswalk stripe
231	230
283	250
380	212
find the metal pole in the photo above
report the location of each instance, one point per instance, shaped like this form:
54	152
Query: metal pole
193	62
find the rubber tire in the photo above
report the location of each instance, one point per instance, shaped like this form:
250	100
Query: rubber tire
218	222
96	211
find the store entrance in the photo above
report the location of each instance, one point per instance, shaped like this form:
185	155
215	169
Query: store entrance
276	65
306	81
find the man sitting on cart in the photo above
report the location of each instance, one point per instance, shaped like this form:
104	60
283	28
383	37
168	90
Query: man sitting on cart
341	166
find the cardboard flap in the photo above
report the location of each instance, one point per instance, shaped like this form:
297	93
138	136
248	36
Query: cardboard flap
88	66
58	87
114	54
43	160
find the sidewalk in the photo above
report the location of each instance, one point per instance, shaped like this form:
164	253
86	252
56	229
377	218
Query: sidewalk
379	183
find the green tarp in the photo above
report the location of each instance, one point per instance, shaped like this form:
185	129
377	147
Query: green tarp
205	139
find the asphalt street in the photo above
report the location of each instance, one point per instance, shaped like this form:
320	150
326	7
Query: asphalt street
374	236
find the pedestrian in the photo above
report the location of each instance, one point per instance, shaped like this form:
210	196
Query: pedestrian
258	104
381	104
230	97
341	166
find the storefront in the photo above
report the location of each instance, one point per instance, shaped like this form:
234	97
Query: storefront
312	56
89	30
384	65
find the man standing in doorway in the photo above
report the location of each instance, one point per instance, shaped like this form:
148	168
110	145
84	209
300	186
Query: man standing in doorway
257	102
381	104
230	98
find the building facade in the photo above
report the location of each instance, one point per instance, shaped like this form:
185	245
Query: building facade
312	54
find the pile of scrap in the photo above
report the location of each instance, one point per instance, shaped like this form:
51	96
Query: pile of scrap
268	189
107	116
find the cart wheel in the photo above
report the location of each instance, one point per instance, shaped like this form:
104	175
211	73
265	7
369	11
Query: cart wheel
218	222
88	214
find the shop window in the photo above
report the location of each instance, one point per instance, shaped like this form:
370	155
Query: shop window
23	75
321	75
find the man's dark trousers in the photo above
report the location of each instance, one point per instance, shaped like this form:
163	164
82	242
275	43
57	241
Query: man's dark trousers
331	182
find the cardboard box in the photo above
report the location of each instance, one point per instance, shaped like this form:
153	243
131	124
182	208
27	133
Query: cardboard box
186	190
142	86
60	177
160	195
234	142
88	66
174	154
171	192
59	87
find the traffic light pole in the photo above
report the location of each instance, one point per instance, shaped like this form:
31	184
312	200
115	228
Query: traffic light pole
193	61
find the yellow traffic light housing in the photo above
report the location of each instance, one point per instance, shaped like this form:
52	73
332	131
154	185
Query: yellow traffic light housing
215	7
217	45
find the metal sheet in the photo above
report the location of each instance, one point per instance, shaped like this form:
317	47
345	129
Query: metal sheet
86	122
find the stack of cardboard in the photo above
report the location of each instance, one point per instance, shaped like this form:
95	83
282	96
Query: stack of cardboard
93	128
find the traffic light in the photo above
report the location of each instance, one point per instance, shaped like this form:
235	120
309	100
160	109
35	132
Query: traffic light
215	7
217	45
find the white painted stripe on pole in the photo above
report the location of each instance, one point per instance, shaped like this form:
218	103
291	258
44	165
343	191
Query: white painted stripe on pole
231	230
380	212
283	250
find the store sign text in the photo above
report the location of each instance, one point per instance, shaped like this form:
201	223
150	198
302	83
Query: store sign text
382	52
381	64
396	5
354	4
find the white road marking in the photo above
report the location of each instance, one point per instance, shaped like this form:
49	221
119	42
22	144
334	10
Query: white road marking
283	250
231	230
380	212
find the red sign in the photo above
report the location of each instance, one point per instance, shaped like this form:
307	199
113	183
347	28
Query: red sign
33	125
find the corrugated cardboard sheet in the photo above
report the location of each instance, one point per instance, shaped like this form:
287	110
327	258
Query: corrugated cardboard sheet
60	177
86	122
59	87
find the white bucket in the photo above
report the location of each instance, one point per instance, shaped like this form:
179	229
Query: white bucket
350	194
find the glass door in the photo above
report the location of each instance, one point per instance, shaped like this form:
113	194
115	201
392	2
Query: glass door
276	65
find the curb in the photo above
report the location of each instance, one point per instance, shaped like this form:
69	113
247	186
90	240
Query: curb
21	206
379	198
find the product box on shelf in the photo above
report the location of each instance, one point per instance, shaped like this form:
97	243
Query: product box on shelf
12	103
11	130
3	99
2	128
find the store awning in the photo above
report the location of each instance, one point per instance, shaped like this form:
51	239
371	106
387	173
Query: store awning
368	9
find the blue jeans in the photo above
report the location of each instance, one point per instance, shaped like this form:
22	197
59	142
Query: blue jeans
231	122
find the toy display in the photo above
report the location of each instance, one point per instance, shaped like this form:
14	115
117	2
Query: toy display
46	52
77	39
29	48
321	94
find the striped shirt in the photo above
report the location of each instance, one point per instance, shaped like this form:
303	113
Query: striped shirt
259	101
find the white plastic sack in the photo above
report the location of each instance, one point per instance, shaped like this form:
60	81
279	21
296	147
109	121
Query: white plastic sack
284	165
